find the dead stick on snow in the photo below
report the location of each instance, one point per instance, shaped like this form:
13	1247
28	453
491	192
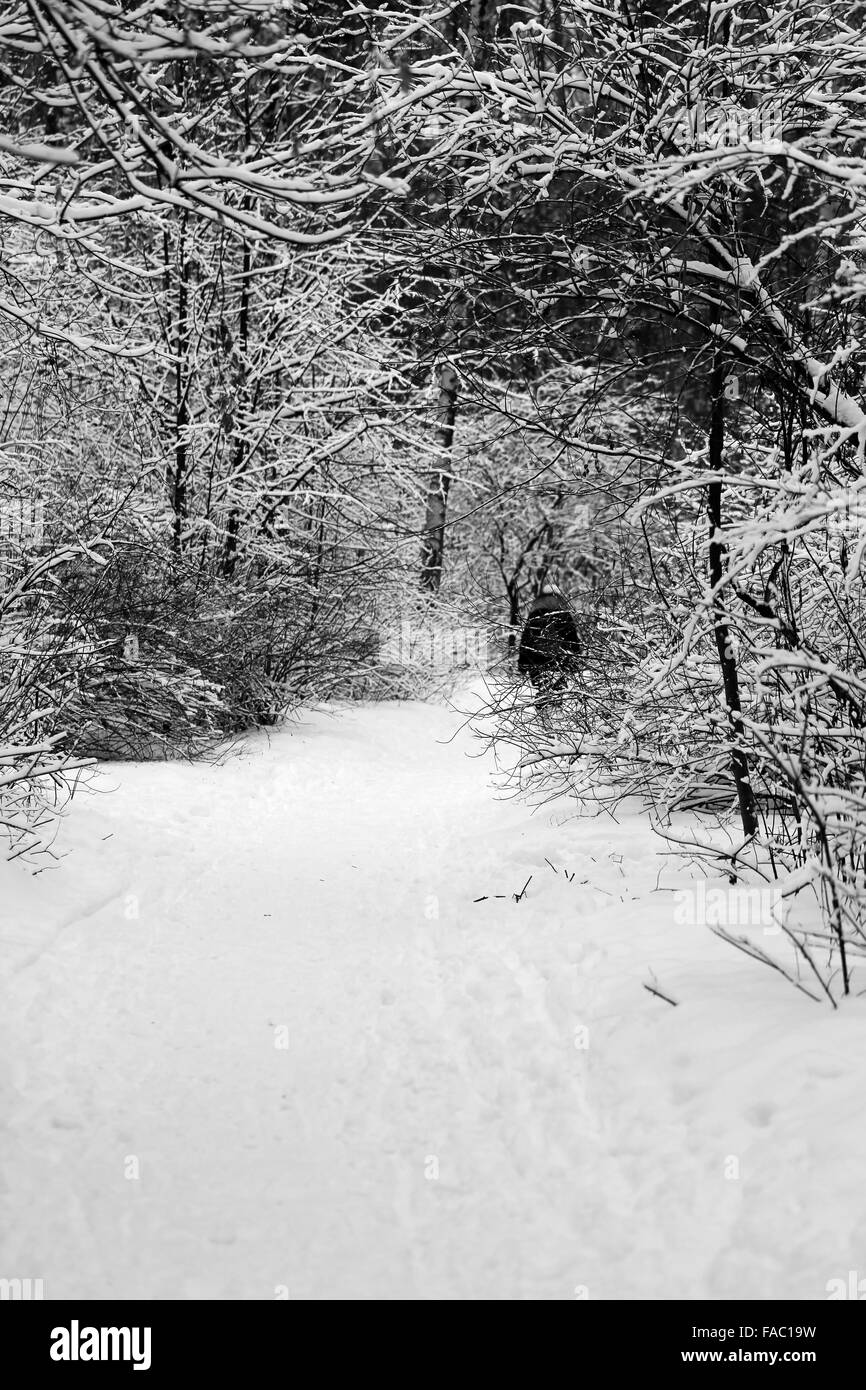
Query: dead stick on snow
652	989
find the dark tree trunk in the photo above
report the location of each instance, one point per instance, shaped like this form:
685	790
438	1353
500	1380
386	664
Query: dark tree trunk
178	479
238	453
727	661
433	548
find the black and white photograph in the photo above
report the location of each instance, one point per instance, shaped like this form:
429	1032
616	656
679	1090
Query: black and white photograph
433	662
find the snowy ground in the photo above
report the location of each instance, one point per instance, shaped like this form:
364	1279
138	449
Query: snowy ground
260	1039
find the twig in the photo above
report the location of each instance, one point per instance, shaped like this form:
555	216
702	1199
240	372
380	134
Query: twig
658	993
518	896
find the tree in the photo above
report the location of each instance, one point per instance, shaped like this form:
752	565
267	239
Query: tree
673	198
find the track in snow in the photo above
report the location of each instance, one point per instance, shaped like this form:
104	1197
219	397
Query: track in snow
262	1039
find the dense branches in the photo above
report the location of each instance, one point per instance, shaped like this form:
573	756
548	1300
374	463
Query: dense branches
296	296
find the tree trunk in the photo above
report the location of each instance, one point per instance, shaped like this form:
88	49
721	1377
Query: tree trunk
727	661
238	453
178	478
433	548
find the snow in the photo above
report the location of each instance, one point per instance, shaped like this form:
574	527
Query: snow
477	1099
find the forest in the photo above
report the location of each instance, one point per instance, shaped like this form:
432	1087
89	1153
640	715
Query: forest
331	332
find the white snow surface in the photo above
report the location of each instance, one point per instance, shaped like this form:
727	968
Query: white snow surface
259	1040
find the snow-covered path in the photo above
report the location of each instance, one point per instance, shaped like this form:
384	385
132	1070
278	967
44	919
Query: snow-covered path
260	1039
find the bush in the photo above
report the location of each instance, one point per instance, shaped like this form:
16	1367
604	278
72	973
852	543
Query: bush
189	657
43	661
